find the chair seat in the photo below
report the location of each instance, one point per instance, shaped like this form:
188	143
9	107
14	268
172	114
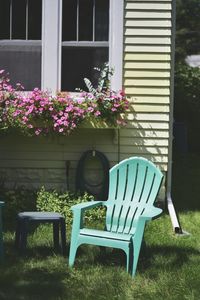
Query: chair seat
106	234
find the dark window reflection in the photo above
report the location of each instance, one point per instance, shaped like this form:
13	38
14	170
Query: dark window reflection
78	63
4	19
19	19
101	20
69	20
85	20
34	19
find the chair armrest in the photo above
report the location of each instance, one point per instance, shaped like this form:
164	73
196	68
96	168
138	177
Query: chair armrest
87	205
151	213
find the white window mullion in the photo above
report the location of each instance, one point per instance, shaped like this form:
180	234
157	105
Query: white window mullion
27	5
51	44
77	21
11	20
94	16
116	42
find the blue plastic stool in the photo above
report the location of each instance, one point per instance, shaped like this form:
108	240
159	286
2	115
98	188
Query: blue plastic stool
24	218
1	232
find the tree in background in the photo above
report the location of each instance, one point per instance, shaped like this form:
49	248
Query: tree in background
187	28
187	78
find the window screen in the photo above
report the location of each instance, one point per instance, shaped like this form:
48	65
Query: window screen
20	41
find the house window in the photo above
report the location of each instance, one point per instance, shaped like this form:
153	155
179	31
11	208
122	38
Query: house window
79	35
85	44
54	44
20	41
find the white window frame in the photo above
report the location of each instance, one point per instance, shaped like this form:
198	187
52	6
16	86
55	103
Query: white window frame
52	43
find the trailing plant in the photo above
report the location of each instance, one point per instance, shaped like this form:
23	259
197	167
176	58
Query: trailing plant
39	112
62	203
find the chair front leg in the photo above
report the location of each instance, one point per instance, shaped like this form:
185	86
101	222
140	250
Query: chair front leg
137	242
76	226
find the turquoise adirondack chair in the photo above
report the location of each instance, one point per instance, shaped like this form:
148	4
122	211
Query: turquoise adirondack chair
133	187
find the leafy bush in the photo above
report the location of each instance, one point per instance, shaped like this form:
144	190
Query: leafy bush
187	102
187	91
16	201
62	202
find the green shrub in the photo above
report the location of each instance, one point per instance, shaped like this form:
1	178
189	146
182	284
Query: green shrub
187	91
62	202
16	200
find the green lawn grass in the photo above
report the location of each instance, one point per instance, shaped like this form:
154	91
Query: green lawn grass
169	267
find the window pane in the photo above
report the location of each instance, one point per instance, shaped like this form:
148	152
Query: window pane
101	20
85	20
69	20
34	19
23	62
19	19
78	63
4	19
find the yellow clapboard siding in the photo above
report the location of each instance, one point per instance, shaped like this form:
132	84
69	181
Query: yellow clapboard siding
148	125
144	150
148	6
150	99
146	74
147	31
144	142
147	91
11	163
148	23
155	49
161	166
148	15
148	40
146	82
147	65
145	133
150	108
149	117
147	57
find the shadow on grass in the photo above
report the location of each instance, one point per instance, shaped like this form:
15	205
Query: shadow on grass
36	283
186	181
173	257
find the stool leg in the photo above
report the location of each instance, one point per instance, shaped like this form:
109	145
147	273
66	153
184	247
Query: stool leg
23	236
18	234
1	240
56	234
63	235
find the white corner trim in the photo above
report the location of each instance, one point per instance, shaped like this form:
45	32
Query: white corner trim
51	44
116	33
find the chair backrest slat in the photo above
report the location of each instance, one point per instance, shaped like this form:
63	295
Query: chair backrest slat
122	184
130	190
133	186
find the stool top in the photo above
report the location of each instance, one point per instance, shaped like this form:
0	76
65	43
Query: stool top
40	215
